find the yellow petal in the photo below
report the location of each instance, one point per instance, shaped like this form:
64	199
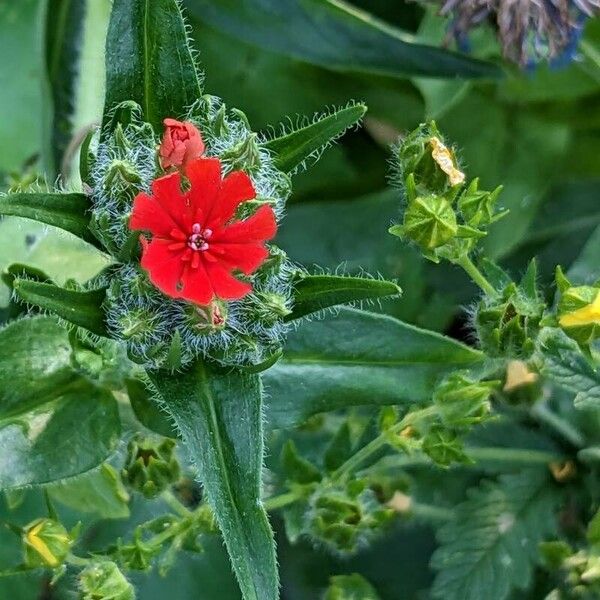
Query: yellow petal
586	315
445	161
517	374
40	546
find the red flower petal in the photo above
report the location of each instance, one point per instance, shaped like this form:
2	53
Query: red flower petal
245	257
164	266
224	284
235	189
205	179
167	192
197	286
261	226
149	215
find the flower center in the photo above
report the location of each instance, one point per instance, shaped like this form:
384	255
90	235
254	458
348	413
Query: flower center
198	240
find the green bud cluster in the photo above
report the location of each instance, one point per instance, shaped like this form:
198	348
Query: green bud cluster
103	580
159	331
580	571
508	324
345	517
151	465
442	215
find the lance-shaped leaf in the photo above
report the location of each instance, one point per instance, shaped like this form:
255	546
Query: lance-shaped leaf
358	358
219	416
83	309
149	60
75	34
54	424
293	149
65	211
335	35
313	293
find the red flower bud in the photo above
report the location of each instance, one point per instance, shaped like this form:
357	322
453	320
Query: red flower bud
181	143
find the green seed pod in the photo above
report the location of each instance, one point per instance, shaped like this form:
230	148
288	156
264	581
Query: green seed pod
429	221
432	164
478	207
463	401
350	587
104	581
46	543
206	319
151	465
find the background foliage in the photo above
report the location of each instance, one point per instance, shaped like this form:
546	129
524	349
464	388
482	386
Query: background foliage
536	132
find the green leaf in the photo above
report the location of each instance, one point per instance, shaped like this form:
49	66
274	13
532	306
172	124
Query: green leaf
350	587
20	98
358	358
53	423
563	363
149	60
335	35
83	309
313	293
219	417
293	149
296	467
339	449
100	492
65	211
75	34
146	411
491	545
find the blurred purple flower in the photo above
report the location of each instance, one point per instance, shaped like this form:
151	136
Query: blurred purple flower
530	31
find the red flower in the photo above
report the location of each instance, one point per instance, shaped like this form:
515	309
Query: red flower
195	246
181	143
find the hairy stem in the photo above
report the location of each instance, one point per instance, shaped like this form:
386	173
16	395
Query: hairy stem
477	276
379	442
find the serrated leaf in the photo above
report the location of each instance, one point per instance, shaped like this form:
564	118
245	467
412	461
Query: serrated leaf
358	358
563	363
149	60
335	35
219	416
291	150
489	548
53	423
313	293
65	211
83	309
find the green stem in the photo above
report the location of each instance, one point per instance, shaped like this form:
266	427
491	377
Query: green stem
428	512
78	561
276	502
477	276
541	412
593	56
176	506
380	442
513	455
589	455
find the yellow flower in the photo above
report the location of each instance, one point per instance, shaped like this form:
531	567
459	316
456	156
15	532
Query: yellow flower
47	543
445	160
586	315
